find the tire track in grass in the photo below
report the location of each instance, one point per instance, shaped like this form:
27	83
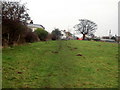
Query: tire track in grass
63	66
57	74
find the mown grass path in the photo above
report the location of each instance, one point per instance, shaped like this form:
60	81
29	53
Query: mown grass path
61	64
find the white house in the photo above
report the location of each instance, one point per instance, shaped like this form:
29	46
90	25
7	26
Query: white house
67	35
34	26
63	36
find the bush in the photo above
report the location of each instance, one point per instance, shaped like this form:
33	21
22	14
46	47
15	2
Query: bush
42	34
31	36
13	31
54	37
49	36
56	34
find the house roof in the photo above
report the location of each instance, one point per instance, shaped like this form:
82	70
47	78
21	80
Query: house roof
35	26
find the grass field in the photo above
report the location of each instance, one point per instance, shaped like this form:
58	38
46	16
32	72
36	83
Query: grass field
61	64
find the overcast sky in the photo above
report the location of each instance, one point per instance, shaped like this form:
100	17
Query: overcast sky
64	14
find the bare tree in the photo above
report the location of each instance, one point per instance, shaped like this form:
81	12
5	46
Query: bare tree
14	11
86	27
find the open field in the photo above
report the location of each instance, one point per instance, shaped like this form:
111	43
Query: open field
61	64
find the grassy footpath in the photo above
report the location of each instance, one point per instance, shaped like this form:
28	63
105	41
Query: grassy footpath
61	64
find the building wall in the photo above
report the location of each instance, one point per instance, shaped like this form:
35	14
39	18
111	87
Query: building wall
33	29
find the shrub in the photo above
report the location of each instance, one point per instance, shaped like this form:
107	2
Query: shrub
54	37
56	34
42	34
49	36
31	36
13	31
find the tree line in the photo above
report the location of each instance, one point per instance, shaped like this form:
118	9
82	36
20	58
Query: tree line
15	30
14	25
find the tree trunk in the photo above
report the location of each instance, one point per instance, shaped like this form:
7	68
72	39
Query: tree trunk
8	37
18	39
83	36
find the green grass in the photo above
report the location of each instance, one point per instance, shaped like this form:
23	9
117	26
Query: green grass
54	64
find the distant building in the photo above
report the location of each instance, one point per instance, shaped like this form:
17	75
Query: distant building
34	26
118	39
63	36
66	35
105	37
108	37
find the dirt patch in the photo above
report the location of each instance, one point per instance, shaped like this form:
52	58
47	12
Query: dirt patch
79	55
49	75
98	69
75	48
19	72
